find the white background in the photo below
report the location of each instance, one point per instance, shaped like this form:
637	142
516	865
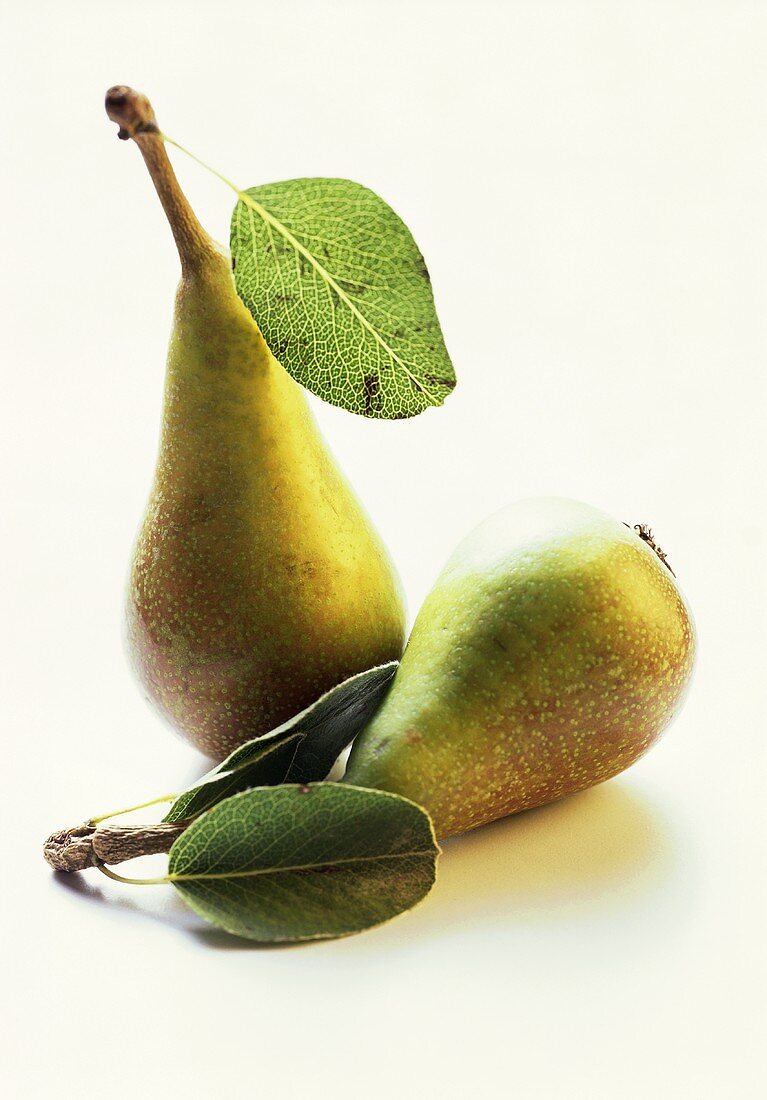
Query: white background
587	182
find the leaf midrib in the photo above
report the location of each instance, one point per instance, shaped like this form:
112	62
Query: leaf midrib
420	853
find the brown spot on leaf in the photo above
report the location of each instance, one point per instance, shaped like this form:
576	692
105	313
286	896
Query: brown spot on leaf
373	399
351	288
436	380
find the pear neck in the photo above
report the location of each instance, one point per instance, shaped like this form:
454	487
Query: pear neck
195	247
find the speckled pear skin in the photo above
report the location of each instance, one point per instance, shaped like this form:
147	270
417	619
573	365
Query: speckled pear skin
258	582
552	652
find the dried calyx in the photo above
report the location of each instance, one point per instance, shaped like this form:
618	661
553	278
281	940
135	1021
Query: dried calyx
646	535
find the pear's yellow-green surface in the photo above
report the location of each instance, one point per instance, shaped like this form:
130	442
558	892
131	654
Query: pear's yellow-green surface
258	582
551	653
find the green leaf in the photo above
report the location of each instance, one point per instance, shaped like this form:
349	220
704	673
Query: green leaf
281	864
301	750
268	764
342	295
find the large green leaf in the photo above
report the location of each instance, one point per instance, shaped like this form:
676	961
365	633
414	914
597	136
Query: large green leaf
342	295
301	750
281	864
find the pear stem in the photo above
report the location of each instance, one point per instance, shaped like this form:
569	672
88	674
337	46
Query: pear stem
134	115
85	846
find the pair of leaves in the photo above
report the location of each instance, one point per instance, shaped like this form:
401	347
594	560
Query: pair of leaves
275	857
301	750
301	862
337	285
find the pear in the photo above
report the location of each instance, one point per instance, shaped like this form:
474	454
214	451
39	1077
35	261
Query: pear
551	653
258	581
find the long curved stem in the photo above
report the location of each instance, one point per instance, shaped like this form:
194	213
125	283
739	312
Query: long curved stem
134	115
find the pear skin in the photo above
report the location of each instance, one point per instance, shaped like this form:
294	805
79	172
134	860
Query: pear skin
550	655
258	582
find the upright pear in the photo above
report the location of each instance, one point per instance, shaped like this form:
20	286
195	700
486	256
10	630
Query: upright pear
258	582
553	650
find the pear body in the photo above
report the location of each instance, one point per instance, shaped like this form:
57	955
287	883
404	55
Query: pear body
551	653
257	582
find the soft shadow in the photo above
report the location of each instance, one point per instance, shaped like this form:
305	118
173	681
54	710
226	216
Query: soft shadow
157	903
588	857
162	905
216	939
593	852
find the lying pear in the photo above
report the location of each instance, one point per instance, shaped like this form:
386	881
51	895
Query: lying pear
258	582
553	650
